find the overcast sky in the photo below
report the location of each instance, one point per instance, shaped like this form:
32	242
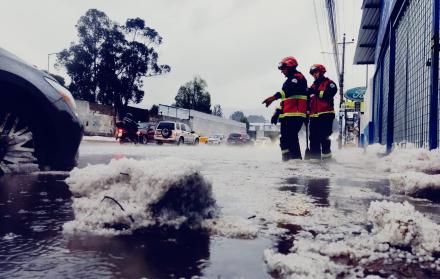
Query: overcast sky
235	45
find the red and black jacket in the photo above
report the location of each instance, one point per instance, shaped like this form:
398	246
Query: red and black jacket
321	93
293	96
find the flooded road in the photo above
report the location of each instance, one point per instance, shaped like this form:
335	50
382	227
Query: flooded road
249	183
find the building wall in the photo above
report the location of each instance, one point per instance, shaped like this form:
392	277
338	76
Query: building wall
202	123
97	119
406	48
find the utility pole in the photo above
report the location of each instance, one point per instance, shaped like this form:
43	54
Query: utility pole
48	59
341	89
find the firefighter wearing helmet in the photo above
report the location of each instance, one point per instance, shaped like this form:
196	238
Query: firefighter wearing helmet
292	113
322	113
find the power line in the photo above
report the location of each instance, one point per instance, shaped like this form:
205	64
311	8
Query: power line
331	17
317	25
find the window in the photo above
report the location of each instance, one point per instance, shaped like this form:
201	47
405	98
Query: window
166	125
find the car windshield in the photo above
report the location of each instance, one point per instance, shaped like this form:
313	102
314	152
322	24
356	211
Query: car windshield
166	125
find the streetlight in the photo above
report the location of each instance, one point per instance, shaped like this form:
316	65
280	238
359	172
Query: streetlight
48	59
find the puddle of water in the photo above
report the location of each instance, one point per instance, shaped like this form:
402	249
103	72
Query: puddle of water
32	243
317	188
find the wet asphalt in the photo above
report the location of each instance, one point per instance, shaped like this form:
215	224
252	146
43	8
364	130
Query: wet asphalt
34	207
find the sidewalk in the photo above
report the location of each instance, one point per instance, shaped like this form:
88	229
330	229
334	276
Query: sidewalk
99	139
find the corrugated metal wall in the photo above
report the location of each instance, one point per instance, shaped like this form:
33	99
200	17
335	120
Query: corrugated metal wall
385	93
377	96
413	33
400	79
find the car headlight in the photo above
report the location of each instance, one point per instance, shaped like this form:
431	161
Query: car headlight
64	92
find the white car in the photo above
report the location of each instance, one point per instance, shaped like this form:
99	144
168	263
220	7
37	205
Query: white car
175	132
215	139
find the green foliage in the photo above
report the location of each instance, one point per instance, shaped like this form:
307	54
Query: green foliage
109	62
240	117
193	95
256	119
154	110
237	116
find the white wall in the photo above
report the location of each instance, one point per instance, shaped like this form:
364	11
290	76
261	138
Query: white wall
95	123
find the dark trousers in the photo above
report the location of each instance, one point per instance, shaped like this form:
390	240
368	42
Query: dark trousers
320	131
289	143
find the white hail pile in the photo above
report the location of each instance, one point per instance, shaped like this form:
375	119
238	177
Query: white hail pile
165	192
399	234
412	170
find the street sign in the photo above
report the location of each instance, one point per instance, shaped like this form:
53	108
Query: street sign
356	94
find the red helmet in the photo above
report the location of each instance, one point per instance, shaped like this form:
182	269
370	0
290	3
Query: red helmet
317	67
288	62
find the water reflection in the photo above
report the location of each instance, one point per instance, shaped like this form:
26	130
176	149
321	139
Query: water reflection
317	188
32	212
151	254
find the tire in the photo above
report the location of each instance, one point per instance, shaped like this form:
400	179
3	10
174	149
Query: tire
166	133
17	140
144	140
196	141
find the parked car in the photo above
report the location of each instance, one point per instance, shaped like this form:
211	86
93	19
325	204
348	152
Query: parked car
262	141
146	132
215	139
38	118
175	132
239	139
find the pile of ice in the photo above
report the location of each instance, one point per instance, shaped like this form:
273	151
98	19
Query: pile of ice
413	170
399	234
130	194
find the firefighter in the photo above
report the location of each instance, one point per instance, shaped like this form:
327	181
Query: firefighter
322	113
293	109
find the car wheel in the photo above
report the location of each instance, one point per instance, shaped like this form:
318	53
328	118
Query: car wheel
196	141
180	141
144	140
166	133
16	142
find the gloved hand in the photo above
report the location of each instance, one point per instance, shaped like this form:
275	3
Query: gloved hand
275	116
268	101
312	91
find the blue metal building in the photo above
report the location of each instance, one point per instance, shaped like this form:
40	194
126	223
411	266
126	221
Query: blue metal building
401	37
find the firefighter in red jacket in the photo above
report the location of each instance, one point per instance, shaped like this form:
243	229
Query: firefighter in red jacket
322	113
293	109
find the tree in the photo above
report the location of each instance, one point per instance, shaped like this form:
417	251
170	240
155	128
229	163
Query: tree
154	110
237	116
109	62
240	117
217	111
256	119
193	95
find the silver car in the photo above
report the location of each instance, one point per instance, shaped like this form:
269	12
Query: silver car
175	132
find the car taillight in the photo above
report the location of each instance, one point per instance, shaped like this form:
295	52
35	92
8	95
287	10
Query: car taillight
120	130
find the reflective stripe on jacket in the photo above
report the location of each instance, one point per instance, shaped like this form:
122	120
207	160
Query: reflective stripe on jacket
318	104
294	99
